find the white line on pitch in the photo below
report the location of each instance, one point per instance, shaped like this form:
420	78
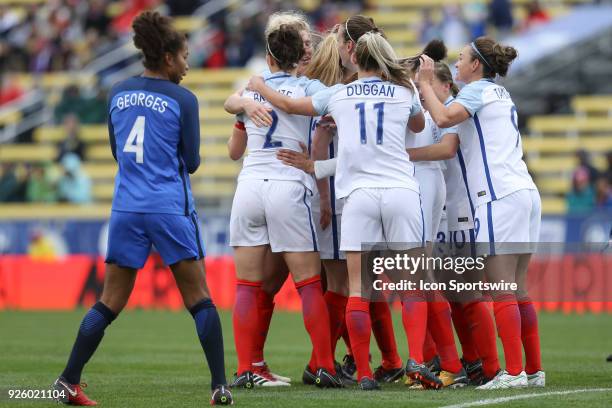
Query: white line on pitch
500	400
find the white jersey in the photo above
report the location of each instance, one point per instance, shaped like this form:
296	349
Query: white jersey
430	134
459	209
371	116
286	131
491	143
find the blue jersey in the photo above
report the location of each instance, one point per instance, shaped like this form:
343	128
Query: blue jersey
154	132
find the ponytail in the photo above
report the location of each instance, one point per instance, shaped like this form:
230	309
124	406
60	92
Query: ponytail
374	53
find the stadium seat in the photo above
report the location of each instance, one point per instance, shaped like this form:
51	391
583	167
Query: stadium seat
30	211
188	23
554	206
10	118
553	185
593	105
569	124
54	134
27	153
55	80
566	145
216	113
217	189
100	171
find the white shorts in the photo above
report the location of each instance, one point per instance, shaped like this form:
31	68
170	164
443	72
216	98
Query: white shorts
329	238
433	197
390	216
275	212
509	225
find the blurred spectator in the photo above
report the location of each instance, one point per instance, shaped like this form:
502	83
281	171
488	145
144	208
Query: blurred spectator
609	169
500	16
96	17
582	197
12	186
88	110
428	29
70	103
476	18
131	8
41	186
72	143
584	161
453	28
535	15
41	247
603	194
183	7
74	185
9	89
94	109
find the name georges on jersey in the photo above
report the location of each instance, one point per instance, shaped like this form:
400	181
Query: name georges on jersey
142	99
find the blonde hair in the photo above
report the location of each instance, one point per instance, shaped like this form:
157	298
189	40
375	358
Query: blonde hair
291	18
325	64
374	53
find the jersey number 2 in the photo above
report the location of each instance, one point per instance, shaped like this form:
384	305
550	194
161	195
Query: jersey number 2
135	140
268	144
380	107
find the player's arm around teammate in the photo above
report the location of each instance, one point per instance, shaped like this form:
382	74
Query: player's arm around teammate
507	204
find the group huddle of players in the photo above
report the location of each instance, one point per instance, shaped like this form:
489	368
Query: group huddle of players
400	157
350	148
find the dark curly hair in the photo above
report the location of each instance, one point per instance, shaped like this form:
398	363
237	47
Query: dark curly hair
286	47
154	36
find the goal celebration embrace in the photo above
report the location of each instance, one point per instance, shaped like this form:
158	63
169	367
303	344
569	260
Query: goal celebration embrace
334	218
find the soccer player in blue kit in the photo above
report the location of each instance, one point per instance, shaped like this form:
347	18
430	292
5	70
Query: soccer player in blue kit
154	132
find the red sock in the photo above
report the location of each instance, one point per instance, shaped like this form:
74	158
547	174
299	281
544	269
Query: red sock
336	306
440	323
245	319
316	321
462	327
347	340
382	326
265	307
530	336
429	347
359	328
414	317
483	333
508	321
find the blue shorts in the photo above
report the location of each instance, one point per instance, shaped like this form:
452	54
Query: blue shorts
130	236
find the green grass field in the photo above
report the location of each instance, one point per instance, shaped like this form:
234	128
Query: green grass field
153	359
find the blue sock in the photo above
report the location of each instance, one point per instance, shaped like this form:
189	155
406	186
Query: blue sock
208	326
87	341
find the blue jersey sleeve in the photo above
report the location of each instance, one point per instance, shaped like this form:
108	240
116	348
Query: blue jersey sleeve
470	96
320	100
190	134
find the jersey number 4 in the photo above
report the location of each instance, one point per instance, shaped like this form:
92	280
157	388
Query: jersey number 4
380	107
135	140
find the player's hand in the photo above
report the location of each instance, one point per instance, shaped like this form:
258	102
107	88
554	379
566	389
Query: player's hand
295	159
326	213
327	122
258	113
426	70
256	83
